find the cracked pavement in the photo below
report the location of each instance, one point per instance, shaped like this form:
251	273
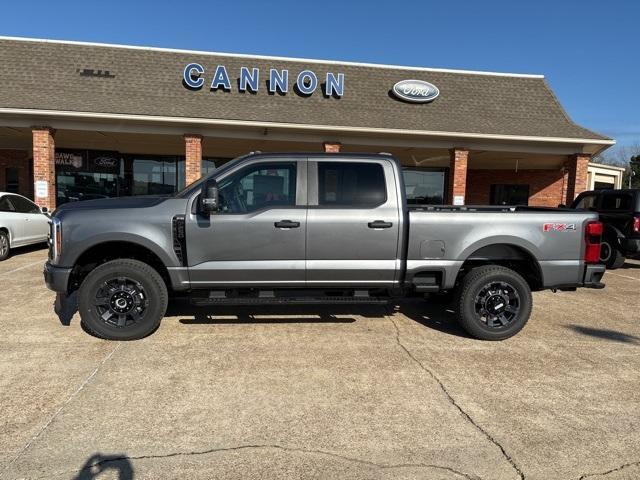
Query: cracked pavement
308	392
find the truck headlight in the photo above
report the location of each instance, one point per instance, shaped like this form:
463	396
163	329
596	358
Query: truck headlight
55	240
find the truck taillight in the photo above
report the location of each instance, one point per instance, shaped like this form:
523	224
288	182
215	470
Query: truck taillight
636	224
593	236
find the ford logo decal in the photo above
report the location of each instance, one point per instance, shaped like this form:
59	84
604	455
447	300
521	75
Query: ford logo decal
107	162
415	91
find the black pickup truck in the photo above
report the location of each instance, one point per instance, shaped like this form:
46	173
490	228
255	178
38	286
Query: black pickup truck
620	213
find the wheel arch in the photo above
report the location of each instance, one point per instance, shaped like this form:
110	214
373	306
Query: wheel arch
515	257
105	251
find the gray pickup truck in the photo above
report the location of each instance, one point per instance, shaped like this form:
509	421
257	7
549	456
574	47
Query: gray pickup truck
312	228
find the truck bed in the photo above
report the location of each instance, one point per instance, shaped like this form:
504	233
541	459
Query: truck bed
443	237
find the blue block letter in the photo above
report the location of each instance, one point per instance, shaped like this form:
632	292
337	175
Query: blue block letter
313	82
249	79
335	85
278	81
192	76
221	79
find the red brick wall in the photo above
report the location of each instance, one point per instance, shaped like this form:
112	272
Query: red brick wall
193	157
16	159
332	147
545	186
458	160
578	177
44	168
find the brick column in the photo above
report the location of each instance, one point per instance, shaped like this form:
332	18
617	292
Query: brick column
458	159
332	147
577	175
44	166
192	157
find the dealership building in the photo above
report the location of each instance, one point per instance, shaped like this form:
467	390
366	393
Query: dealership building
82	120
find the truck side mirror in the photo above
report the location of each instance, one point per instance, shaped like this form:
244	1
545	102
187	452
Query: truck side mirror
209	196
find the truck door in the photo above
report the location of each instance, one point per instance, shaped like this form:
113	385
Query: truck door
258	236
353	223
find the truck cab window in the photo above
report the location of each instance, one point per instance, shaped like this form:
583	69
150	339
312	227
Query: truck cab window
258	187
343	184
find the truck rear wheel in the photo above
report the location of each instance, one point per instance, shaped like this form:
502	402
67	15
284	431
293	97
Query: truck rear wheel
610	254
494	303
122	300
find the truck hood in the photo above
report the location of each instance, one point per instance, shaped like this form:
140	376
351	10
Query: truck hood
114	203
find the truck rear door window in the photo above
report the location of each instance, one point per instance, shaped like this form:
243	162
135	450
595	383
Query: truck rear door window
344	184
620	202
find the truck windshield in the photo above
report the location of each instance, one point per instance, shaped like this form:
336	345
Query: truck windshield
185	192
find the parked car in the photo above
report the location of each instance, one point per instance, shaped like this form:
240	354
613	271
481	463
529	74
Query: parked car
620	214
22	222
312	228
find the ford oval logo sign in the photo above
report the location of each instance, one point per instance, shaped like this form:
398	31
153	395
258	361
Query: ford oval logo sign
415	91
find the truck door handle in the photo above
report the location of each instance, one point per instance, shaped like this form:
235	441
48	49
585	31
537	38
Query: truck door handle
286	224
380	224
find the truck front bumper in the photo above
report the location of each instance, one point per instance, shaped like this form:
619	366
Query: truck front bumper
56	278
593	276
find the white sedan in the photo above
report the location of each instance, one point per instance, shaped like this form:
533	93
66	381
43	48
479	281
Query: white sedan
22	222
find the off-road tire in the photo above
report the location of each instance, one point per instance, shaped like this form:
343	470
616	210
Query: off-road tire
152	290
472	286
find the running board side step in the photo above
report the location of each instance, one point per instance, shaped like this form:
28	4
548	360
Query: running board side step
266	300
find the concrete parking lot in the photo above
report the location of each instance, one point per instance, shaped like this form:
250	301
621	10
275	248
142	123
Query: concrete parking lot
321	393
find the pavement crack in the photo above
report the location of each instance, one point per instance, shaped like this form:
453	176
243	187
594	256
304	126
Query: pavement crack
62	407
613	470
112	459
454	403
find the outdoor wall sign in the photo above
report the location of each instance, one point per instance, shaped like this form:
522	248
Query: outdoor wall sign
305	83
415	91
88	160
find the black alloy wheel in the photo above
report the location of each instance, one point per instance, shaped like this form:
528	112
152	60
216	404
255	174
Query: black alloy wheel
494	302
122	299
121	302
497	304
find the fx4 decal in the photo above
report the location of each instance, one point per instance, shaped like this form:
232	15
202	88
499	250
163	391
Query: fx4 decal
558	227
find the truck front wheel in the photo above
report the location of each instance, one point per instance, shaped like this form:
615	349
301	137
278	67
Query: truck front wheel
494	302
122	299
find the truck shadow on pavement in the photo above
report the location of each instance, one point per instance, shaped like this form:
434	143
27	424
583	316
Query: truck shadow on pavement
605	334
438	317
118	466
435	315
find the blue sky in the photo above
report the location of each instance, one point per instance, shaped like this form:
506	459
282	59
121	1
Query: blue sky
588	50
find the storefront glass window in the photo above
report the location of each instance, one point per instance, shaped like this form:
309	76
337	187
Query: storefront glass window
505	194
425	186
88	175
155	175
210	164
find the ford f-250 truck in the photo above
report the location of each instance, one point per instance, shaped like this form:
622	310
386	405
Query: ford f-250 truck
312	228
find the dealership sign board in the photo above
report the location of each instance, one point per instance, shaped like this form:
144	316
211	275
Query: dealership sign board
88	161
305	83
415	91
